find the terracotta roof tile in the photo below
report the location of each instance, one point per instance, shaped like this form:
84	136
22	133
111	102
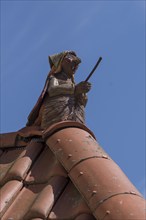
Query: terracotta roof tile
47	165
15	163
75	153
95	188
8	193
85	217
8	139
35	184
46	198
60	178
23	202
36	219
133	206
7	160
97	178
69	205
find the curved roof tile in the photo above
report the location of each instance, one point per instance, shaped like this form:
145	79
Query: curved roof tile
65	175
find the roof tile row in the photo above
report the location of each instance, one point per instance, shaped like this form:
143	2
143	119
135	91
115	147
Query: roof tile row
34	185
63	174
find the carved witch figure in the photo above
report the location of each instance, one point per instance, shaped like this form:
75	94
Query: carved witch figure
61	99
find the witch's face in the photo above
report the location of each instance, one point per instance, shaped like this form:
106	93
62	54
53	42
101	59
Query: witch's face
70	64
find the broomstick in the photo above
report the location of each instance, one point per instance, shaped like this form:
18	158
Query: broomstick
91	73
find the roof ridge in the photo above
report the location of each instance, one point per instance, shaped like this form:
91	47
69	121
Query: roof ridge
93	173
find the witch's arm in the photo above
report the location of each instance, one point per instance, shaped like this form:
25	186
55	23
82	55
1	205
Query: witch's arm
81	90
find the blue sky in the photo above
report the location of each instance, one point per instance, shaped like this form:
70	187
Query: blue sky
115	30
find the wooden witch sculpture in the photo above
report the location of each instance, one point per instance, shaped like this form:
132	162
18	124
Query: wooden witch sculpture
61	99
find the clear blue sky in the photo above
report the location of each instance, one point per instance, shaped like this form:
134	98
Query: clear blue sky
115	30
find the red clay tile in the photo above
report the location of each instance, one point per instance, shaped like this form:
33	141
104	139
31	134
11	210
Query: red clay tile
85	217
47	198
8	139
19	168
8	193
30	131
96	178
13	139
74	145
7	159
46	162
24	201
133	206
63	125
36	201
69	205
102	179
36	219
44	192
